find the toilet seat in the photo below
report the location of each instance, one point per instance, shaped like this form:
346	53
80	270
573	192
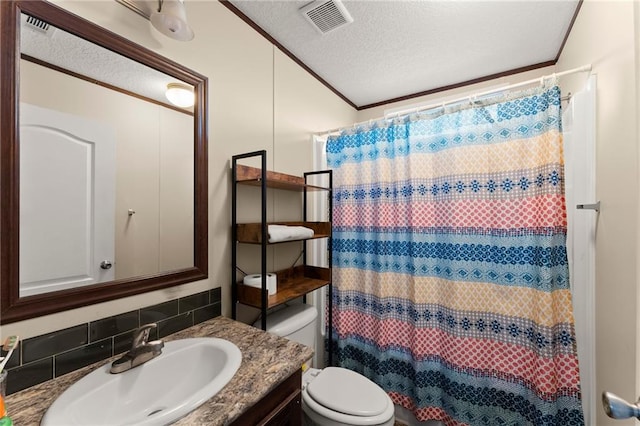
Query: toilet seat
347	397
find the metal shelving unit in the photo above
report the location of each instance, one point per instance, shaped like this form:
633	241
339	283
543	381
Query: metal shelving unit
293	282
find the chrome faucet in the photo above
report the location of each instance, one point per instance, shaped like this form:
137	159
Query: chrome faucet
141	350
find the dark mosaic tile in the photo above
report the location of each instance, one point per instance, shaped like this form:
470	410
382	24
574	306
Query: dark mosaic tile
111	326
215	295
217	308
28	375
172	325
154	333
53	343
158	312
78	358
58	353
122	342
206	313
194	301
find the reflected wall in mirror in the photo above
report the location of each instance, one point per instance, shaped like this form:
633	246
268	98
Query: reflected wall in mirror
103	184
90	210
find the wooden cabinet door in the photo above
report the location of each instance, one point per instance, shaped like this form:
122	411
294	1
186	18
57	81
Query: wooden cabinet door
281	407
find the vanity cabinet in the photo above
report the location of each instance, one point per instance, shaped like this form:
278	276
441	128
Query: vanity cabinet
294	282
280	407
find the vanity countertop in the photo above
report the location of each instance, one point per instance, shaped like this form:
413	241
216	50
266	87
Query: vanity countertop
266	361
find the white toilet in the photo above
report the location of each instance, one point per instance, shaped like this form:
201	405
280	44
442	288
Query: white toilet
333	396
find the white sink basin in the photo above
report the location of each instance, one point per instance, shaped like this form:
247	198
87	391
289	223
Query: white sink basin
158	392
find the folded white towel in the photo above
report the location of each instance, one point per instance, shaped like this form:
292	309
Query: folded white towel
279	233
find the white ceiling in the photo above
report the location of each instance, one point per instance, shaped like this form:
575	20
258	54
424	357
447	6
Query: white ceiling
61	49
393	48
398	48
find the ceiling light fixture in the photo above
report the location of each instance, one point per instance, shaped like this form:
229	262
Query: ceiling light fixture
171	20
180	95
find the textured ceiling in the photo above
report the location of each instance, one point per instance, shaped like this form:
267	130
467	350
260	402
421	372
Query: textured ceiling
393	48
64	50
398	48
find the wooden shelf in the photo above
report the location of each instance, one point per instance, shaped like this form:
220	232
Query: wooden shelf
247	175
295	282
251	233
292	283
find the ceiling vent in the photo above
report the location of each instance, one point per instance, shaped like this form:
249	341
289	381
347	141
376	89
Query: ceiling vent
326	15
38	25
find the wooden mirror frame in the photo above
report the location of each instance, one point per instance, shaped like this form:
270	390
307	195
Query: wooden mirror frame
12	306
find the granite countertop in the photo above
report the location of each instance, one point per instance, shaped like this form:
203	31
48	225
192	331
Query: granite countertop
266	361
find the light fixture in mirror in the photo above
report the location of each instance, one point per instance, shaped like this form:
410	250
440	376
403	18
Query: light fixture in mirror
180	95
16	70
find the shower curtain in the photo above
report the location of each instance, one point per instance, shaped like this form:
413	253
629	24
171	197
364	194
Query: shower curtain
451	287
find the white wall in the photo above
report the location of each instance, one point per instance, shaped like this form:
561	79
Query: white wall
258	99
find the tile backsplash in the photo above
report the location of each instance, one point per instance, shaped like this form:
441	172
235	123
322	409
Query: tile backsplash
51	355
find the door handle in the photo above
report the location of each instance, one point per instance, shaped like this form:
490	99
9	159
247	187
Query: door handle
106	264
618	408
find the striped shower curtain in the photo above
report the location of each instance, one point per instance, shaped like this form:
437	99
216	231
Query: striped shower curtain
451	287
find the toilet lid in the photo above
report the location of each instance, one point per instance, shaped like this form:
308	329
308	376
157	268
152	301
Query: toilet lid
347	392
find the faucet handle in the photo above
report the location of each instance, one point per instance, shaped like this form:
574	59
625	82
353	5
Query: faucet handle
141	335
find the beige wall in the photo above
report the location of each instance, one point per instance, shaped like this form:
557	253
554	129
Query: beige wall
450	95
258	99
176	191
604	35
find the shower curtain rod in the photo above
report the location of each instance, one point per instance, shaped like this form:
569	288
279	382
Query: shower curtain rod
464	98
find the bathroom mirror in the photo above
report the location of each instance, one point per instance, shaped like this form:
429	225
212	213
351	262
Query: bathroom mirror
169	154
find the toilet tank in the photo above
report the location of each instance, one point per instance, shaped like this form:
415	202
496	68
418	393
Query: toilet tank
295	322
